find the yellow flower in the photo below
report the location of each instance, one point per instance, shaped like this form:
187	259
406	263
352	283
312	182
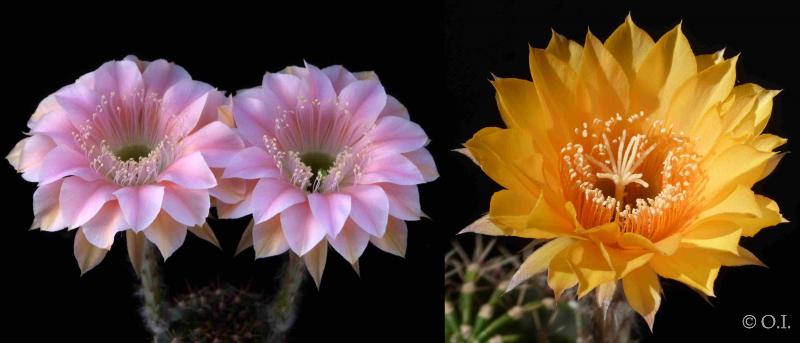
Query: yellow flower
635	158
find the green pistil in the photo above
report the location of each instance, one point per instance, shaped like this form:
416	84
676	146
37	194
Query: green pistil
132	152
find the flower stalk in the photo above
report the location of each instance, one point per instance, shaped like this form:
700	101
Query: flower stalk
154	308
283	310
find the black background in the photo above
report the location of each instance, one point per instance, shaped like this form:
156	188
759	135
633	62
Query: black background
483	38
436	60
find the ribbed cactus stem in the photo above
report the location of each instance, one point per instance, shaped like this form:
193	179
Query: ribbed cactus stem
155	306
468	293
513	315
450	320
283	310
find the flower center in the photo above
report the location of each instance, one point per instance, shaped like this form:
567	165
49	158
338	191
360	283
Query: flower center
319	162
631	170
128	139
132	152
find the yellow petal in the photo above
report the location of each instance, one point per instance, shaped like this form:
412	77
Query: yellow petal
566	50
511	210
742	201
630	45
742	257
708	60
643	292
508	157
665	246
602	86
691	266
590	266
698	94
555	86
624	261
767	142
714	235
740	164
770	216
484	226
606	233
665	68
546	217
560	275
538	261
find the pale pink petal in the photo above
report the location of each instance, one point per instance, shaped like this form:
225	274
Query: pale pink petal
397	135
213	110
315	261
280	89
253	119
351	242
187	100
122	78
81	200
137	245
56	126
392	169
330	209
62	161
369	208
46	208
403	201
140	204
166	233
79	103
271	196
100	230
204	232
160	75
187	206
238	209
48	105
301	229
318	87
268	239
424	162
228	190
216	141
339	76
87	255
28	155
190	171
395	238
394	108
251	163
364	100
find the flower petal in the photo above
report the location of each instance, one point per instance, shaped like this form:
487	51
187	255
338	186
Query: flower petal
397	135
205	233
423	160
140	204
80	200
301	229
315	261
364	100
395	239
47	209
137	243
369	208
190	171
63	161
166	233
393	169
87	255
643	292
350	243
271	196
630	45
538	261
100	230
216	141
691	266
188	206
160	75
122	78
268	239
403	201
330	210
339	76
251	163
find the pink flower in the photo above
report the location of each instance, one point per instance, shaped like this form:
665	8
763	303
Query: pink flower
330	159
129	146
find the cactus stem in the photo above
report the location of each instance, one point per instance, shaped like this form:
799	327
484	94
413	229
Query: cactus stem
283	310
